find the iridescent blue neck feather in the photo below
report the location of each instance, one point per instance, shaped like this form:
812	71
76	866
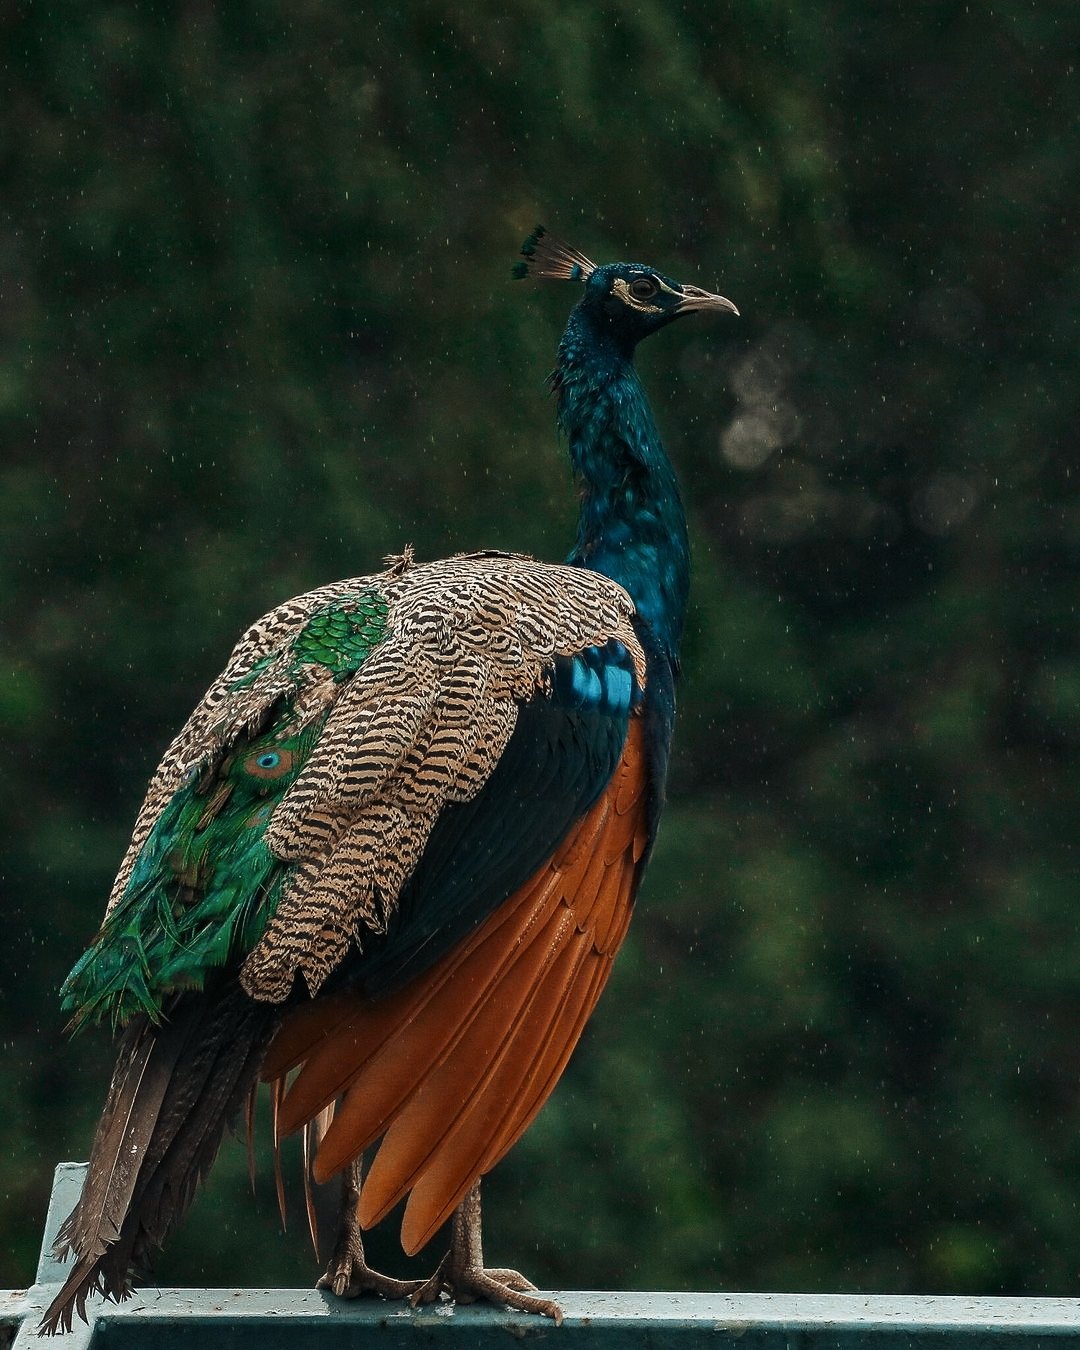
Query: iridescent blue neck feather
632	526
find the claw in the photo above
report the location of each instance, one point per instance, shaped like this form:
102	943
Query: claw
431	1288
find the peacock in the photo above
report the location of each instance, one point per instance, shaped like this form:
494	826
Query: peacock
386	865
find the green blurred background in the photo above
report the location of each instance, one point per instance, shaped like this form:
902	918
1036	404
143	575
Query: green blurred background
257	331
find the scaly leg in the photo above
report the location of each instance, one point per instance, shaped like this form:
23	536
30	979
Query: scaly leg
461	1272
348	1273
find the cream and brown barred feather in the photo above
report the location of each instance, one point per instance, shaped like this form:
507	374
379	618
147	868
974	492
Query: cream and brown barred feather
420	724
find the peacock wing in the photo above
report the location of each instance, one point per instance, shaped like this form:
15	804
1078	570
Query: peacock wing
289	815
452	1031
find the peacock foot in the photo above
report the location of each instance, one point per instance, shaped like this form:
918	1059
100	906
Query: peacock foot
469	1283
348	1274
462	1275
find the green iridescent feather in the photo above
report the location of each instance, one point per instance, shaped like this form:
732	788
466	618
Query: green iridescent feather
340	636
205	884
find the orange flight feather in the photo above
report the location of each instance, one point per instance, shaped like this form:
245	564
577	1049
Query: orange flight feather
400	1081
306	1027
394	1059
423	1126
452	1166
385	1030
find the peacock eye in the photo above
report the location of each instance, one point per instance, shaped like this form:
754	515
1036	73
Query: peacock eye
269	764
643	288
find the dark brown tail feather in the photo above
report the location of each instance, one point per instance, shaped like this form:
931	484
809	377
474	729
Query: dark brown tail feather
174	1091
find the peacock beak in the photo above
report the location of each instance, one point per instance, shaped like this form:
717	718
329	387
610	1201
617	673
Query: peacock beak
694	298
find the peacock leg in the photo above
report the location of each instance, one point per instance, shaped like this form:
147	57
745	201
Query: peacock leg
348	1274
462	1275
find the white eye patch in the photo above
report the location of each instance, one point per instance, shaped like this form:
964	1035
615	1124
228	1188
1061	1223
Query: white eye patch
621	288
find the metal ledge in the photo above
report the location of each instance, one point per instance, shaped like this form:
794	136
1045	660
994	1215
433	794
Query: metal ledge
232	1319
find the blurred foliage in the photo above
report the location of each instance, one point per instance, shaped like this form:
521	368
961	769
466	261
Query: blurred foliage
256	331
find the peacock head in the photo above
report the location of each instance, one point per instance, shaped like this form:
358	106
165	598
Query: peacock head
628	300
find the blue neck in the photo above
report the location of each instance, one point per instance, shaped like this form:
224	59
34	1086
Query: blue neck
632	526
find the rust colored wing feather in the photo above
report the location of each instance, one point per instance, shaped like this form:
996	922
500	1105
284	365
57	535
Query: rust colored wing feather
383	1042
451	1069
453	1165
441	1051
427	1123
